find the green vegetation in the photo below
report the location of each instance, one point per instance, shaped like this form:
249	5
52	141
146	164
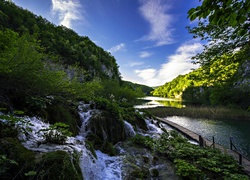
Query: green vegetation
59	165
223	82
63	44
57	133
224	23
206	112
223	78
192	162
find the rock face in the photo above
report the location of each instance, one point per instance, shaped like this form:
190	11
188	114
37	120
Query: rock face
106	127
243	74
140	163
22	163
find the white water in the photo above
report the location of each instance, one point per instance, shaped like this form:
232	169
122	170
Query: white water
100	168
103	167
130	132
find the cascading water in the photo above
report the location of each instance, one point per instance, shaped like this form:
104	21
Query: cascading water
130	132
102	167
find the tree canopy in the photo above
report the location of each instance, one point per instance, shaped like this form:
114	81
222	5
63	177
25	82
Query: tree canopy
225	24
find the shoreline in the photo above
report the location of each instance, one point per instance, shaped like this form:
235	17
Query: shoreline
216	113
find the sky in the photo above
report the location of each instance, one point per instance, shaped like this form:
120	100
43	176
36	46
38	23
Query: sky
148	38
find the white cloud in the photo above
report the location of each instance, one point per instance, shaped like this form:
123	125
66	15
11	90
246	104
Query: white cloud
146	74
155	12
145	54
135	63
67	11
118	47
180	62
176	64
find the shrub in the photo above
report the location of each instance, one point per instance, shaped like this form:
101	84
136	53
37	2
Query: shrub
57	133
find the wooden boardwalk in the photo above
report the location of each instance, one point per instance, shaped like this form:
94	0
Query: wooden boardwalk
196	137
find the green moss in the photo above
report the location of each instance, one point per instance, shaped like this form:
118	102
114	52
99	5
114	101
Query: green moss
146	159
95	140
141	173
21	159
7	130
107	127
90	147
134	118
65	114
58	165
108	148
154	172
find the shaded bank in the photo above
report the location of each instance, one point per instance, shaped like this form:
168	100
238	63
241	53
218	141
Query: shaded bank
219	113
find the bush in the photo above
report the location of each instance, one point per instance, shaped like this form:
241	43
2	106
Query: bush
57	133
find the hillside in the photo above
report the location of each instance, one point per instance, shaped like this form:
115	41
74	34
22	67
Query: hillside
60	43
225	81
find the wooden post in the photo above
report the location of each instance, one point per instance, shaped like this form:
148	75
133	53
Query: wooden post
240	159
200	141
213	142
231	143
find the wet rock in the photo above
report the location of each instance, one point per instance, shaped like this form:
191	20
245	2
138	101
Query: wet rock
141	163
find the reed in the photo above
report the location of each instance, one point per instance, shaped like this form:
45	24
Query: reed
201	112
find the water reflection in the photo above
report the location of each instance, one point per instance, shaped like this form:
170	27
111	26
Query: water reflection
221	130
151	102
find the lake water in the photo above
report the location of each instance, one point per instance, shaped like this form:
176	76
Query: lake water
221	130
151	102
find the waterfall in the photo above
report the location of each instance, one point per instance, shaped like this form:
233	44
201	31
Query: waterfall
152	127
104	166
100	168
130	132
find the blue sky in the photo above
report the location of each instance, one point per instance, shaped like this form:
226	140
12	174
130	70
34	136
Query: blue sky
148	38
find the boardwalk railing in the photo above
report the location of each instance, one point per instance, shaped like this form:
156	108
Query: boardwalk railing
202	143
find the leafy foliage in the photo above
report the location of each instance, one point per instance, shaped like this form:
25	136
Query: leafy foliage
225	24
57	133
192	161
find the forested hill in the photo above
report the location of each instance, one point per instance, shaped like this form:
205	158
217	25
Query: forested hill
43	65
225	81
61	43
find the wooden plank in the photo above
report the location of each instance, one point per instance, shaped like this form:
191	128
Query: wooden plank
194	136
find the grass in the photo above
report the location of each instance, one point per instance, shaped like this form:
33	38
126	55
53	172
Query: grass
219	113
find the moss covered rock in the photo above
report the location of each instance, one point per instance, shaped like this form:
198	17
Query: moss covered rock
59	165
67	115
19	159
107	127
134	117
7	130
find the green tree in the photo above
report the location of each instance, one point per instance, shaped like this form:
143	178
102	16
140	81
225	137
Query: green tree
225	24
25	76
